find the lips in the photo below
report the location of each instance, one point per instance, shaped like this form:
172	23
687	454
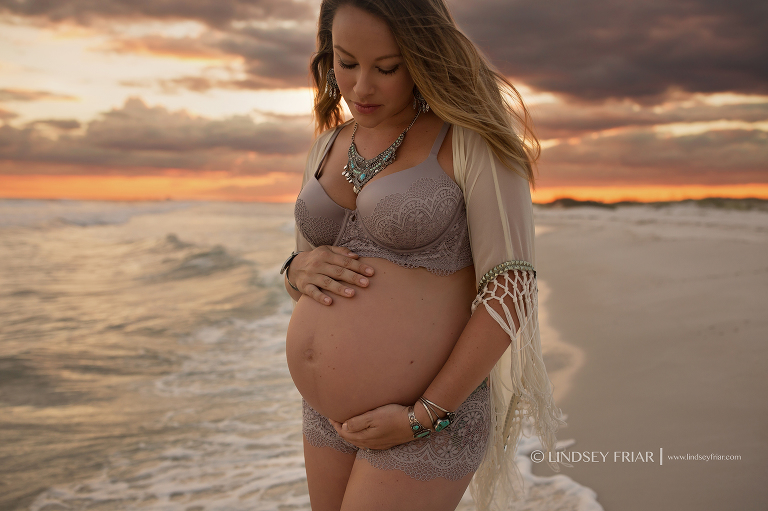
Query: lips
366	108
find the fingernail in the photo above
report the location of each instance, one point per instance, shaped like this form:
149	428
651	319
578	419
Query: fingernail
351	254
364	281
369	271
327	300
344	426
348	291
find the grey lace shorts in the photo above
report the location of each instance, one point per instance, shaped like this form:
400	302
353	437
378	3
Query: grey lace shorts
452	453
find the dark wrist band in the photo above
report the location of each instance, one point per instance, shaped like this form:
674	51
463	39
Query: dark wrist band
291	283
284	268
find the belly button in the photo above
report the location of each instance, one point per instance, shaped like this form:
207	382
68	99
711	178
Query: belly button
309	355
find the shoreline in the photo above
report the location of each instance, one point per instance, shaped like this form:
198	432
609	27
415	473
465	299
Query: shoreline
666	307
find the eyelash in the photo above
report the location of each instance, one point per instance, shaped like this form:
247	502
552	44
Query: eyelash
382	71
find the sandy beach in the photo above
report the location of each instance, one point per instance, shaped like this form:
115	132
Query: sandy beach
665	308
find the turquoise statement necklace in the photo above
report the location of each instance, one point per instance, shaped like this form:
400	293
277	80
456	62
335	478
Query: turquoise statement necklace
359	171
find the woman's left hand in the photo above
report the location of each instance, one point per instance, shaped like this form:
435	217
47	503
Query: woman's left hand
381	428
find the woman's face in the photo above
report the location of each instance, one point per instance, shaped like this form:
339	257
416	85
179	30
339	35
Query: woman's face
370	72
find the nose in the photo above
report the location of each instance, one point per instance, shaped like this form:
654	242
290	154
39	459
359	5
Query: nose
364	87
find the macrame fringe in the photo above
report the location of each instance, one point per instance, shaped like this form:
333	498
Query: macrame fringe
498	481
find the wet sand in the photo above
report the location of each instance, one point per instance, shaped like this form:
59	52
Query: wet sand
668	307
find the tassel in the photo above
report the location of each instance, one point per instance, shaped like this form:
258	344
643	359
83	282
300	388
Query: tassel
498	480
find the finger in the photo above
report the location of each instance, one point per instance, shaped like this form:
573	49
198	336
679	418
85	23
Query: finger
317	295
328	283
353	265
353	438
357	424
343	251
331	278
339	280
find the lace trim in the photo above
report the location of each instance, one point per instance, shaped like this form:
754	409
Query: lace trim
452	453
320	433
450	254
417	218
318	230
498	479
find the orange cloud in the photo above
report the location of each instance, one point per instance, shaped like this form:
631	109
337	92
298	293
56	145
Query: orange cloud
214	186
650	193
282	187
183	48
33	95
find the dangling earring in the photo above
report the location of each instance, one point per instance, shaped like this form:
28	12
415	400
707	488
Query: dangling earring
331	87
419	103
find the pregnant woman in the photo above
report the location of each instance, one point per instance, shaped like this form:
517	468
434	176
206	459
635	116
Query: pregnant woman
413	271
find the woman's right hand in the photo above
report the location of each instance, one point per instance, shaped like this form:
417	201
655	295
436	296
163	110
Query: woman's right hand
328	268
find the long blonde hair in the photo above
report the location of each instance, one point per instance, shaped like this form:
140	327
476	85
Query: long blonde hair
455	78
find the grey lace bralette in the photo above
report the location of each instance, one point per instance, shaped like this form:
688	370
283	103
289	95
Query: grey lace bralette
414	217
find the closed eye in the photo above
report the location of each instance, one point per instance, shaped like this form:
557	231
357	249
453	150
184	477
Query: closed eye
344	65
389	71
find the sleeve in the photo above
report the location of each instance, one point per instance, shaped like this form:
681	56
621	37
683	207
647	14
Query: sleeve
501	232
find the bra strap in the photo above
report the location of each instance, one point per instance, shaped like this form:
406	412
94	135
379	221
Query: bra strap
328	147
439	140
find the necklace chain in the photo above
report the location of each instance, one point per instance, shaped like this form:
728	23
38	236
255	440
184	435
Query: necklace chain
359	171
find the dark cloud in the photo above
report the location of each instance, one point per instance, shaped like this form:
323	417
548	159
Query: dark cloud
142	137
275	53
643	156
273	58
555	120
32	95
61	124
589	50
218	13
597	49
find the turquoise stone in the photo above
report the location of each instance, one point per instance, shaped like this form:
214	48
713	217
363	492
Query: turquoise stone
362	176
424	433
442	424
415	427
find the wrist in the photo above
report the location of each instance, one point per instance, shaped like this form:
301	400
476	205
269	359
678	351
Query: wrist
422	416
287	268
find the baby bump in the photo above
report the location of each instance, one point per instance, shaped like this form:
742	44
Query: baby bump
384	345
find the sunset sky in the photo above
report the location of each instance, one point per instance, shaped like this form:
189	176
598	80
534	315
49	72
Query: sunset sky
210	99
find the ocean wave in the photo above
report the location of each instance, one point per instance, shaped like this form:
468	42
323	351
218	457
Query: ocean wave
51	214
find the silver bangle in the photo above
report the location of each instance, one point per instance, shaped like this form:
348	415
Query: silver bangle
440	424
429	412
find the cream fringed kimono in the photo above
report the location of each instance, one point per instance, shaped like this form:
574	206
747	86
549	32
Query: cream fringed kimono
501	231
